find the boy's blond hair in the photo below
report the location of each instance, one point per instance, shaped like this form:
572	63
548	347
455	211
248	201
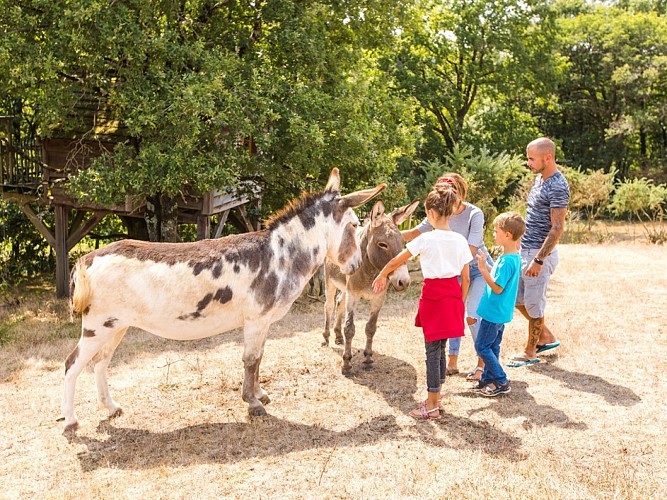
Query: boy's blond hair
511	222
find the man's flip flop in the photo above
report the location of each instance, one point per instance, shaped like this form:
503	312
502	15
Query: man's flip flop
546	347
522	361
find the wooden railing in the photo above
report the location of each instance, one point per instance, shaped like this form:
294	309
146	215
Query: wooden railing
20	157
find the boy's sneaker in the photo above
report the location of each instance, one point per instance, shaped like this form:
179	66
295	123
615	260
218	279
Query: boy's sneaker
500	389
478	385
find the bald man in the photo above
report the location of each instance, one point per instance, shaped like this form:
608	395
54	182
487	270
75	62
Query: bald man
545	222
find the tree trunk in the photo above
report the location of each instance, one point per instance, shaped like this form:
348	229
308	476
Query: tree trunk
136	228
162	218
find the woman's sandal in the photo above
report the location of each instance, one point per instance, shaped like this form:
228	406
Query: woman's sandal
422	413
471	377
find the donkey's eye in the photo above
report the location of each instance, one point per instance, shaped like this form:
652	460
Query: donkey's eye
383	245
355	225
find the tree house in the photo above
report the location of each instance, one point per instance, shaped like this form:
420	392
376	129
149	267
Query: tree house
34	172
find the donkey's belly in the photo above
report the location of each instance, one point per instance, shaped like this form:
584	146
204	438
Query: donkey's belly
192	328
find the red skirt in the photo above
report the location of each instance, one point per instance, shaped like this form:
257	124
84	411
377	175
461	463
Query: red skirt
441	309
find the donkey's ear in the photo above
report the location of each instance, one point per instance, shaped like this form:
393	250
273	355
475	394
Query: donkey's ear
402	214
333	184
358	198
376	212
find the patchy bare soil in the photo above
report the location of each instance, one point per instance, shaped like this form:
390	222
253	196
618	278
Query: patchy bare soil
587	422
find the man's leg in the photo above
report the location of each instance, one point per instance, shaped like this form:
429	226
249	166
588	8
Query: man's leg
545	337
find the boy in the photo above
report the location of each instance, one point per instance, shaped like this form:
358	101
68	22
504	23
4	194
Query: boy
497	305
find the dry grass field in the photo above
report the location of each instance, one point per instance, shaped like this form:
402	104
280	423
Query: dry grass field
587	422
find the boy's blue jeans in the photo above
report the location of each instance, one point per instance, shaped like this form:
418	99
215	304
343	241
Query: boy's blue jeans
487	345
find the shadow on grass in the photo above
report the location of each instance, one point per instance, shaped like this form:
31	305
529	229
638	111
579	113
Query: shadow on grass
520	403
583	382
227	442
396	381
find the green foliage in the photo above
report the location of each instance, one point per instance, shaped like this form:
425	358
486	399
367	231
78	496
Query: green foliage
23	251
454	53
590	191
492	177
646	201
611	108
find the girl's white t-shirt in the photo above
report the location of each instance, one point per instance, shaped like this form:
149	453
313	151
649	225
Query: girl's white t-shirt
442	253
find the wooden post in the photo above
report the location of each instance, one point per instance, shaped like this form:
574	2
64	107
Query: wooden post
62	262
203	227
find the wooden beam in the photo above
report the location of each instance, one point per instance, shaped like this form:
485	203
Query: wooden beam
39	225
76	234
203	227
221	224
243	217
62	262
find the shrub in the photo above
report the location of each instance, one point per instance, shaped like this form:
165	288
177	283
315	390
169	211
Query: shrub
646	201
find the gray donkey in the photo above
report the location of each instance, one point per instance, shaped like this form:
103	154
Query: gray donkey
380	241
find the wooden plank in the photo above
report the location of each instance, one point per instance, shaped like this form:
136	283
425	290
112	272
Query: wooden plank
39	225
221	224
62	262
203	227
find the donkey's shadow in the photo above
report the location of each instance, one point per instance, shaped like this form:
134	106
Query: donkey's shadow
221	442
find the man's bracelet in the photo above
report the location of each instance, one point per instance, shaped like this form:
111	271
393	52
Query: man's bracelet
538	261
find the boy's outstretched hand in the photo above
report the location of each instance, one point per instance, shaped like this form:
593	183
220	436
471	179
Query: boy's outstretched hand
481	259
379	283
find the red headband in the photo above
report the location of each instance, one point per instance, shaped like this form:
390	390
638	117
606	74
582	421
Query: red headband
444	180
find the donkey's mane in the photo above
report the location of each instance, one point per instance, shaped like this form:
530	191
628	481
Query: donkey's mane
293	208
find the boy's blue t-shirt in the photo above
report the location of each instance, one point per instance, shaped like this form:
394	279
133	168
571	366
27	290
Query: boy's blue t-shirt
499	307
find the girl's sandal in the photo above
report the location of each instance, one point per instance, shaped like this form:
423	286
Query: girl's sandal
422	413
472	376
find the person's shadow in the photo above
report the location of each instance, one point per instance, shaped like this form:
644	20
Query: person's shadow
583	382
521	402
396	382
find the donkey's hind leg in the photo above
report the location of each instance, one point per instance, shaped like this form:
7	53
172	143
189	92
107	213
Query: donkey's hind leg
254	338
89	345
341	305
101	362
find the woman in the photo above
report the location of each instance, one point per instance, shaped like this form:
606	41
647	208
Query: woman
468	221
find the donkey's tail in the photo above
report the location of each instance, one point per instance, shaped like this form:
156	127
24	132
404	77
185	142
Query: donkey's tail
81	291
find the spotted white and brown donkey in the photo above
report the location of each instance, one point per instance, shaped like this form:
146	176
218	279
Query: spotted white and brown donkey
380	241
194	290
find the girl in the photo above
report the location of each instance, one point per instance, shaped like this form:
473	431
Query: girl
444	256
468	221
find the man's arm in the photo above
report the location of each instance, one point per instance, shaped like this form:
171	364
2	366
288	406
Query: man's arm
550	242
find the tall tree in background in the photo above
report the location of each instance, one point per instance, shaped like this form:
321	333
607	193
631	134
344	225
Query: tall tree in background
208	92
613	106
455	54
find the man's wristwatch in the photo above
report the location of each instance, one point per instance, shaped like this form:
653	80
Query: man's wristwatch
538	261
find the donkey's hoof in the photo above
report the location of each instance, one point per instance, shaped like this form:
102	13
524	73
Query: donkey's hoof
368	366
325	343
71	428
340	341
118	412
257	411
265	400
346	370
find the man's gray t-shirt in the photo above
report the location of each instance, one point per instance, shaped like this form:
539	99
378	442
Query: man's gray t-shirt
469	224
553	192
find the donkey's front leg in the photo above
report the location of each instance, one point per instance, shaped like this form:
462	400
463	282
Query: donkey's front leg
254	337
329	305
371	327
350	305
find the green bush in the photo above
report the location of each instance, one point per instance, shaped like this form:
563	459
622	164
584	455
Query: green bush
646	201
